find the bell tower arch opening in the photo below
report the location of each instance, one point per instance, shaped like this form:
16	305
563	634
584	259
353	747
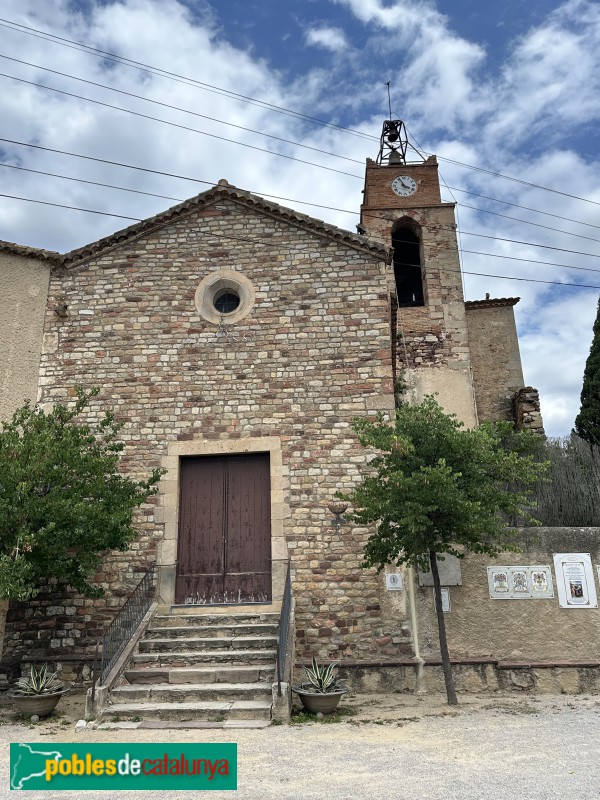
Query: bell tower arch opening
406	242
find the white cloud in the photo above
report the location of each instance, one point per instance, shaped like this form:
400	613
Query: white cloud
433	67
329	38
552	80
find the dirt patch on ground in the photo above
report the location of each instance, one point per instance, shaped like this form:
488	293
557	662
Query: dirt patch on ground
394	709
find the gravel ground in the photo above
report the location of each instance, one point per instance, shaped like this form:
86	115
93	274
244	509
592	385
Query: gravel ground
500	746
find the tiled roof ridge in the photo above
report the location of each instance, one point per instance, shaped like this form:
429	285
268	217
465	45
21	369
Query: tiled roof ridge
492	302
36	252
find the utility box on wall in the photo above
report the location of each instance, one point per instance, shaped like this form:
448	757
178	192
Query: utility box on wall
449	569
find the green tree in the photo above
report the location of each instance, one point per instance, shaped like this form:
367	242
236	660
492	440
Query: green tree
436	489
62	499
587	422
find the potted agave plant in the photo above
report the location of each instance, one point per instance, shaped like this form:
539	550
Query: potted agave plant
322	692
38	693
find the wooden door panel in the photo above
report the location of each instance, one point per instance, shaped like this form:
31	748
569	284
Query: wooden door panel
224	549
251	587
201	525
199	590
248	544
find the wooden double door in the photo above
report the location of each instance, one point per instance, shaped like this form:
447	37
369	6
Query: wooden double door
224	547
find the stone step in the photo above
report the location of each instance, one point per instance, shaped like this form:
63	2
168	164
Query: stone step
208	643
178	620
209	674
233	610
187	658
182	712
190	692
189	724
211	631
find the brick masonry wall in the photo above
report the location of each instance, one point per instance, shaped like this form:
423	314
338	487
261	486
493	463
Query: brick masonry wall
436	334
496	362
314	353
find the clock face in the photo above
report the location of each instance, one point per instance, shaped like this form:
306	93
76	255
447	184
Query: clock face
404	186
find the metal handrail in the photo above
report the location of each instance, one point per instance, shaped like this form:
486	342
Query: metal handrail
129	616
284	626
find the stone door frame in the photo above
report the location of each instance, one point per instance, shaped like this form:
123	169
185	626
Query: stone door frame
169	506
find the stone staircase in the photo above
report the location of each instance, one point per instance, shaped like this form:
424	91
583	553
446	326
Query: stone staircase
200	669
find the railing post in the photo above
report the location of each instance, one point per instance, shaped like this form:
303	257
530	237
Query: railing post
284	621
94	671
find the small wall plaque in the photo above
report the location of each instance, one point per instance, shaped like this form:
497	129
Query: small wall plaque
446	608
393	581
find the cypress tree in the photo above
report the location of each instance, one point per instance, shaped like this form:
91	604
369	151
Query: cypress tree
587	422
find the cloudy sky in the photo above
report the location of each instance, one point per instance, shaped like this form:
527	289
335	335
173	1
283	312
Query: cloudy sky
286	99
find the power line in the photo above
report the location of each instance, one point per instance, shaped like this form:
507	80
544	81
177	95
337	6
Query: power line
466	233
72	208
277	244
108	161
152	172
92	183
11	25
526	280
517	180
177	125
527	244
278	197
181	200
174	108
525	208
505	177
317	205
529	222
527	260
128	62
496	239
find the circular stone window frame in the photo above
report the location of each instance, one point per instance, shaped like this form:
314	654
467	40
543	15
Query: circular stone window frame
213	284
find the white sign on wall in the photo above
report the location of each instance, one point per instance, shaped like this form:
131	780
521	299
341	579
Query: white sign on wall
393	581
520	582
446	607
575	580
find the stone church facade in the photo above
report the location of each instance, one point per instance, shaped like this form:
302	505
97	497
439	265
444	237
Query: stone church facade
237	340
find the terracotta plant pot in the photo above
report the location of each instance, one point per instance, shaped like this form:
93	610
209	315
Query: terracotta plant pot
40	704
315	702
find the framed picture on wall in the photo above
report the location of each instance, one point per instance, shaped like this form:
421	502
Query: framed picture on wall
575	580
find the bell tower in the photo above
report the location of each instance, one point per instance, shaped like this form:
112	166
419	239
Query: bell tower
402	207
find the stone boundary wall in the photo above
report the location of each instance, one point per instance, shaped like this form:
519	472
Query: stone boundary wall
471	676
522	630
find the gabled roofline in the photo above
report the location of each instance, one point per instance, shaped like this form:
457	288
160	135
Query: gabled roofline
31	252
224	190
